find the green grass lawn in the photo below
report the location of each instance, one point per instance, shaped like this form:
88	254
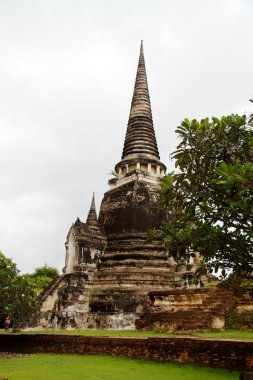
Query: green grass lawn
75	367
111	333
226	334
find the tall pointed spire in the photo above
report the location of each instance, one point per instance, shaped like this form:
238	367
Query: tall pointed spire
92	216
140	136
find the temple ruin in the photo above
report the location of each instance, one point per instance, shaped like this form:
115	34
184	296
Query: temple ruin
111	269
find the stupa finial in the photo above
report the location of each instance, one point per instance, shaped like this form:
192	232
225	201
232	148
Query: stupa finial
92	216
140	136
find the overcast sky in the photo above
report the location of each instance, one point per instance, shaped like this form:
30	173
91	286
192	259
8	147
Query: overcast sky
67	71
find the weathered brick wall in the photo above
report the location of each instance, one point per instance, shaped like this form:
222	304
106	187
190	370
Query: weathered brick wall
187	310
242	315
231	355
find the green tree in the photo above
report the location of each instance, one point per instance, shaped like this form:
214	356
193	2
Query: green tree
42	277
210	196
17	297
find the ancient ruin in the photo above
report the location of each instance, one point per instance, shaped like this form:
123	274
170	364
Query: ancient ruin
110	267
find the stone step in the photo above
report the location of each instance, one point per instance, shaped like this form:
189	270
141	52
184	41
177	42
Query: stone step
49	290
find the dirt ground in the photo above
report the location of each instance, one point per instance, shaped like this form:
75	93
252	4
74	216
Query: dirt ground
11	355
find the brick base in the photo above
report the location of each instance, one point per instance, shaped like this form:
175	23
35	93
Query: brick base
226	354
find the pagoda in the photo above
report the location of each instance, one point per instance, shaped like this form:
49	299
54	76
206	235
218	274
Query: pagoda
131	267
111	267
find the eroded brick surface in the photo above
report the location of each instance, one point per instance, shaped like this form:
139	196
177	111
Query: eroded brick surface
231	355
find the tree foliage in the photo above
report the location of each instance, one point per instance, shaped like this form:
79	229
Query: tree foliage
42	277
17	297
210	195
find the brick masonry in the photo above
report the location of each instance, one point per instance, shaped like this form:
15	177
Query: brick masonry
187	310
226	354
202	309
